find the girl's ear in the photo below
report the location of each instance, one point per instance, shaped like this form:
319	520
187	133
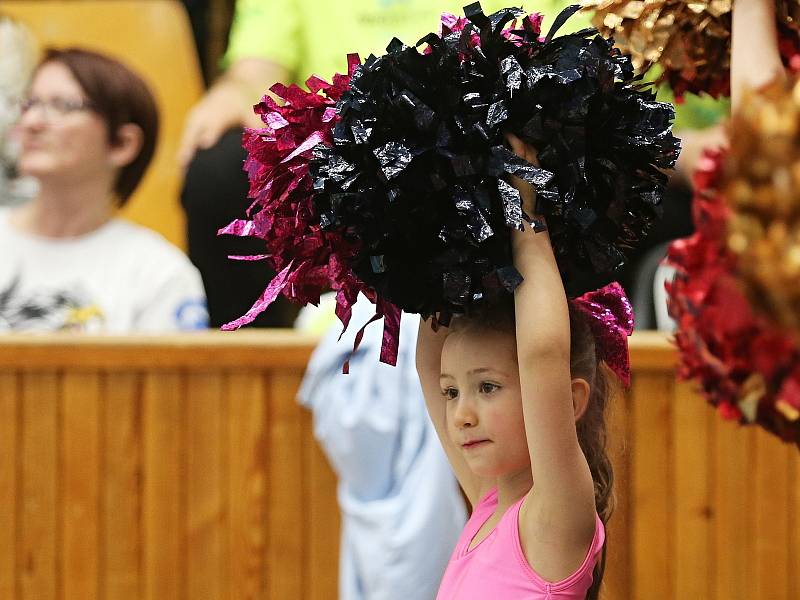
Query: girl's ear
126	146
580	396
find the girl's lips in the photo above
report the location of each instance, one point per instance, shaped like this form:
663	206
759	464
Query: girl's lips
32	146
474	444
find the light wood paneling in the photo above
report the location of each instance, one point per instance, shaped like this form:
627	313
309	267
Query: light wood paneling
182	467
40	544
9	484
207	550
692	512
289	493
248	463
732	492
771	494
163	426
122	473
652	493
616	582
793	584
80	468
322	534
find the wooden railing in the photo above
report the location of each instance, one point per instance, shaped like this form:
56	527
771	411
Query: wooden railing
182	468
162	468
707	509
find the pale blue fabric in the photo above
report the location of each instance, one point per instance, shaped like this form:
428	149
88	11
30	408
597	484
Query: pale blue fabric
402	511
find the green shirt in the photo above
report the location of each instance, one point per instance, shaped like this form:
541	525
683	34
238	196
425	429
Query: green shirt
314	36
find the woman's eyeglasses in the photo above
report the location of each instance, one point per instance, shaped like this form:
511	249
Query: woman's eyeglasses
54	107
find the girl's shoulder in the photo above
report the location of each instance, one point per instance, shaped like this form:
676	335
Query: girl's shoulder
578	577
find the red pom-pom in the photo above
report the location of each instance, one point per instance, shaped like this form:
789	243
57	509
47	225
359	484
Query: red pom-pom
307	259
746	367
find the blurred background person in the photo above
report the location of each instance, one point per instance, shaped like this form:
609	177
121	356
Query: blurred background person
17	60
88	128
402	509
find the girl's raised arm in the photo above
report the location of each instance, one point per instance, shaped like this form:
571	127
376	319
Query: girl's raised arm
429	367
557	521
755	59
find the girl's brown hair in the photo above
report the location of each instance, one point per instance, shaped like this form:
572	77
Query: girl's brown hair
119	96
591	427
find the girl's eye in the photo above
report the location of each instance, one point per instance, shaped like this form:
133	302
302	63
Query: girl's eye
488	388
450	393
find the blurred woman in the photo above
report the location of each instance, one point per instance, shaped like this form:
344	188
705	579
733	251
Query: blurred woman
87	132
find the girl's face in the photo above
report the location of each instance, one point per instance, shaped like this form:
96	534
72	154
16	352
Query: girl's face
480	384
60	135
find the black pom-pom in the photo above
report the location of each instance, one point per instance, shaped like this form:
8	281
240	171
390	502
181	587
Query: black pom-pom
417	169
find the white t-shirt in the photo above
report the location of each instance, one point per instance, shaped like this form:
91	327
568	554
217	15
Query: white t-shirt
117	279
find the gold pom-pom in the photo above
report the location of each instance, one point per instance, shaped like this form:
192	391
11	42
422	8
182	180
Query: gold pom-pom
690	40
761	182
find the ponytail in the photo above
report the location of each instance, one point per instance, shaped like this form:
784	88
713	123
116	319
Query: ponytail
591	429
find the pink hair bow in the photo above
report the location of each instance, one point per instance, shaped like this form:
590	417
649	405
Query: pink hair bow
610	317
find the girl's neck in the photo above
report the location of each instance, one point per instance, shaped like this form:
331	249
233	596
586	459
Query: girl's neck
70	211
512	487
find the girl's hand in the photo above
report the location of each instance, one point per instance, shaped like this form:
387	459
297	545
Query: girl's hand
525	189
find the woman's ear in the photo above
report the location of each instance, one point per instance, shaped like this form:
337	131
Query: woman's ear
580	396
126	145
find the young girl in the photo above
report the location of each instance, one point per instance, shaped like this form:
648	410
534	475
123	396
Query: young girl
517	396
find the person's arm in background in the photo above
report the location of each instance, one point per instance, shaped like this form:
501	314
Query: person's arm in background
755	62
262	50
700	123
693	143
755	59
227	104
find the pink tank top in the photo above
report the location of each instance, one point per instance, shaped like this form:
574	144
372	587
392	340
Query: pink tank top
496	568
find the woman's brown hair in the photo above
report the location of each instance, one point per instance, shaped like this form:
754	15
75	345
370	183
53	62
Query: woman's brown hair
119	96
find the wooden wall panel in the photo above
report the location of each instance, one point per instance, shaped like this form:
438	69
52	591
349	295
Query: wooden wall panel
793	585
206	438
288	493
163	426
732	491
80	475
39	571
184	468
651	494
321	566
771	495
693	456
10	497
616	582
121	522
248	453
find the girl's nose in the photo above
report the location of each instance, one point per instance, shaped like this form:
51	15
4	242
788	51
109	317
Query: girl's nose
465	416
